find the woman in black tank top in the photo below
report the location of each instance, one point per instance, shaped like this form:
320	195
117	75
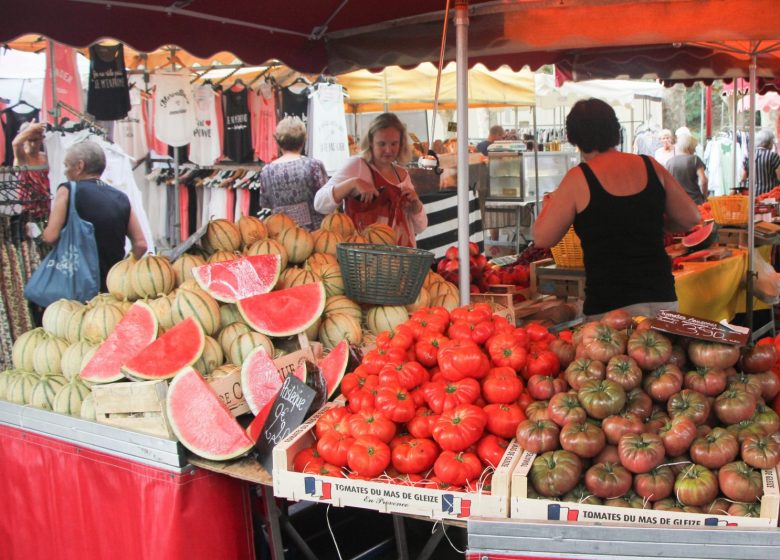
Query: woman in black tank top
620	205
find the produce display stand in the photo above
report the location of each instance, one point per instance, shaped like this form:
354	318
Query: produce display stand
79	489
516	540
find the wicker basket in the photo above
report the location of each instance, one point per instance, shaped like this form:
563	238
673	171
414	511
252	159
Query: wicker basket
383	274
568	252
730	210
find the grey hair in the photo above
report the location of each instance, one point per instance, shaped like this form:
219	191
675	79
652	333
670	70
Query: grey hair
91	154
765	138
686	144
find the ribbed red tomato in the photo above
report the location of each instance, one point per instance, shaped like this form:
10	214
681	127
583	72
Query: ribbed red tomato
507	349
426	349
457	468
503	419
395	403
368	456
333	419
415	456
372	423
445	395
491	449
333	447
460	427
460	359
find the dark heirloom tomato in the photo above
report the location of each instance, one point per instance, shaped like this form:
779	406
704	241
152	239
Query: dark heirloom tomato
740	482
501	385
415	456
556	472
537	410
638	402
748	383
719	506
608	455
745	510
564	350
608	480
583	438
707	381
678	357
655	484
603	342
715	449
457	429
696	486
457	468
601	398
761	357
627	500
712	354
766	418
760	452
670	504
663	382
372	423
503	419
624	371
507	349
734	405
618	424
745	429
582	370
618	319
641	452
538	436
770	385
649	348
564	408
441	395
658	419
491	449
677	435
459	359
689	403
581	495
421	426
543	387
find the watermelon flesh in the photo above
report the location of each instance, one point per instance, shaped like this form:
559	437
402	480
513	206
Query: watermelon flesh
284	312
334	366
201	421
231	281
260	379
702	238
136	331
256	426
180	347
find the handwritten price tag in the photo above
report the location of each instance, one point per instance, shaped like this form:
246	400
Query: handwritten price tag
702	329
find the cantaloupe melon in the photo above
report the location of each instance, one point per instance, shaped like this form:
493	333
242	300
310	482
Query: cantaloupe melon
385	317
222	235
339	223
70	397
338	327
153	276
228	314
326	241
24	347
277	223
269	247
57	316
298	243
119	280
182	267
381	234
201	306
222	256
48	356
342	304
44	391
243	345
229	333
73	358
211	357
99	322
21	386
252	229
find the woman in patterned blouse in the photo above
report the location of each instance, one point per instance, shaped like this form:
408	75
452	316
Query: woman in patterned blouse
288	183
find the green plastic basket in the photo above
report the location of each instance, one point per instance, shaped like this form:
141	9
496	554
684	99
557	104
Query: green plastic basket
383	274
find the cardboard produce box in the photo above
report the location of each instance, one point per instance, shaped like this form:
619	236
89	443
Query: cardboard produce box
523	507
382	496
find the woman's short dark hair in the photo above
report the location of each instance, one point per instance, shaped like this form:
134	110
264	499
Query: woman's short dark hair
291	134
592	126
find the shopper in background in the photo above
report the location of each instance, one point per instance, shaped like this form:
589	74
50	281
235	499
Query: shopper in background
374	188
288	184
620	204
28	152
767	163
689	169
495	133
107	208
667	150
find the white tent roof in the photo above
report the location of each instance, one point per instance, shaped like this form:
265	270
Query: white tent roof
615	92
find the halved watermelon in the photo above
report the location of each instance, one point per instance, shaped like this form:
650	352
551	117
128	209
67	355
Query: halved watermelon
260	379
178	348
284	312
230	281
134	332
334	365
701	237
201	421
255	428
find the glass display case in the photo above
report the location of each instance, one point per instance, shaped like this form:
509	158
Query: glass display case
512	171
552	167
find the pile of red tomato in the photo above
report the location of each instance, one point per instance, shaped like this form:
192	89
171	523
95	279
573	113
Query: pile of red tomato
639	420
435	403
482	273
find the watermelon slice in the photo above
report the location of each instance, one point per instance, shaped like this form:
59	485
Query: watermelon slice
260	379
255	427
284	312
201	421
178	348
230	281
136	331
334	365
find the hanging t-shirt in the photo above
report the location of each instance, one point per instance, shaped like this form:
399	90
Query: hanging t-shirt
295	104
205	148
130	132
238	134
327	126
174	115
12	121
108	98
152	141
264	123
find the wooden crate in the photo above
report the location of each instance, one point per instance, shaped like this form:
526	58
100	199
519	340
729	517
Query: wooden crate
546	278
136	405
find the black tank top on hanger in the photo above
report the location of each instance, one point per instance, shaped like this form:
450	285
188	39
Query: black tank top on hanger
12	121
295	104
108	98
238	132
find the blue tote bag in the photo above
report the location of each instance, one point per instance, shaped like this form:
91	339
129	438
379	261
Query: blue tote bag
72	269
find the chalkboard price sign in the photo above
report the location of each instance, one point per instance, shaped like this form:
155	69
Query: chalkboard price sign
702	329
288	412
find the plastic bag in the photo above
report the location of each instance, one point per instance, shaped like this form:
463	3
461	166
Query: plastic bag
766	286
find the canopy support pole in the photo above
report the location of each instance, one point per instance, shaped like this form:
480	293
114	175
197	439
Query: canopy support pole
55	108
751	193
734	161
462	78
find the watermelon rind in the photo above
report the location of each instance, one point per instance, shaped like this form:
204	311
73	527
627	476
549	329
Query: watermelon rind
179	347
134	332
702	238
284	312
334	366
230	281
201	421
260	379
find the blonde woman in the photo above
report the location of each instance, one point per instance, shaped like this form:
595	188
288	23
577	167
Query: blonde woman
374	188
